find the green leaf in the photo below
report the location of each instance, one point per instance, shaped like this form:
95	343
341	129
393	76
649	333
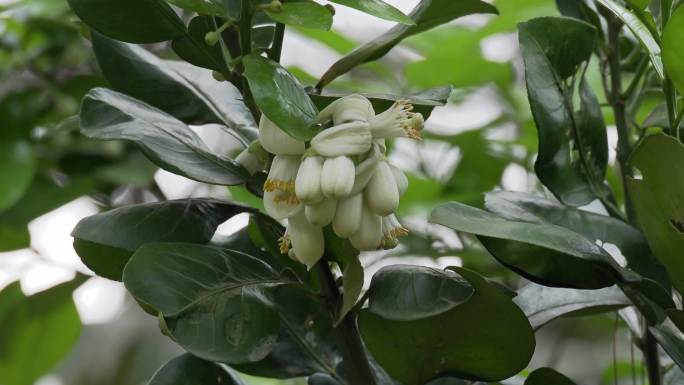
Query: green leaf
670	342
426	15
192	47
488	339
215	301
188	369
197	97
407	293
165	140
204	7
133	21
377	8
17	168
640	4
303	14
658	203
352	285
547	376
106	241
423	102
543	304
280	97
631	242
674	376
573	145
673	52
641	31
546	254
37	332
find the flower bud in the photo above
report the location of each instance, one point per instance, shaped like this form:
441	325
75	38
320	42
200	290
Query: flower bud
401	179
322	213
308	182
352	138
280	200
397	122
382	194
347	109
337	178
276	141
369	235
249	161
348	216
306	239
391	230
364	172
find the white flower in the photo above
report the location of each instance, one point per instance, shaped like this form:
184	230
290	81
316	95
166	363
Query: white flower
306	240
401	179
391	230
276	141
321	213
249	161
348	216
347	109
369	235
280	200
308	182
337	178
364	172
382	194
352	138
397	122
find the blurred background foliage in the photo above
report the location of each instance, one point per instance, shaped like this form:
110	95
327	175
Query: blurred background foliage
484	139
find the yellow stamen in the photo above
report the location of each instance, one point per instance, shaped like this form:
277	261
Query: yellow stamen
276	184
284	244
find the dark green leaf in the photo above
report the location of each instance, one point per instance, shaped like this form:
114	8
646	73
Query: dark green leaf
215	301
204	7
188	93
134	21
547	376
426	15
573	146
165	140
658	202
543	304
17	168
673	51
188	369
546	254
674	376
303	14
37	332
407	293
192	48
670	342
352	284
106	241
377	8
280	97
488	339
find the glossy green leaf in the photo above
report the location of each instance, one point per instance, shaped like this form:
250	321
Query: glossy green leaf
426	15
208	294
672	343
17	168
192	47
280	97
204	7
543	304
133	21
37	332
658	202
165	140
488	339
352	285
640	30
673	51
188	369
188	93
377	8
573	145
546	254
423	102
631	242
407	293
307	14
106	241
547	376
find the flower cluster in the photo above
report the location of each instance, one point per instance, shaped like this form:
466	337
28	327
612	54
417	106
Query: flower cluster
341	178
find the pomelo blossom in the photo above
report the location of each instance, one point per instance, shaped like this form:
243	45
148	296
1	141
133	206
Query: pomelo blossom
342	178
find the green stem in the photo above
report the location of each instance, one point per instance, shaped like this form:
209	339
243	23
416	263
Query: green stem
678	123
353	352
278	37
668	87
245	26
641	70
651	358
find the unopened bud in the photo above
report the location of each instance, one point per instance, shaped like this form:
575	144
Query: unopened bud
211	38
